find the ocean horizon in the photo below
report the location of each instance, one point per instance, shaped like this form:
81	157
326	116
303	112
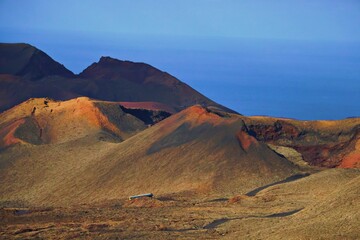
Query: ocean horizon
306	80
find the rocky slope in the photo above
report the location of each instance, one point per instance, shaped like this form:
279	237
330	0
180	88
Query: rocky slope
321	143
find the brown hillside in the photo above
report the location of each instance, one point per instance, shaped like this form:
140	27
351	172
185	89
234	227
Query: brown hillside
196	151
324	205
43	121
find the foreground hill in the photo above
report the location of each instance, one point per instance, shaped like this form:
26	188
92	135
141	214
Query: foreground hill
327	205
324	205
24	67
197	151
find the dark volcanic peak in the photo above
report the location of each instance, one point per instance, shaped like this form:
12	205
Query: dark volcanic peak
108	59
143	82
108	79
29	62
115	69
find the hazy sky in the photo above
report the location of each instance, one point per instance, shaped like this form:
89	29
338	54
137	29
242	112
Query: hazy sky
289	19
289	58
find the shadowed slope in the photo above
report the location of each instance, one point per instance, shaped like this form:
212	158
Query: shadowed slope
15	90
37	75
139	82
28	62
148	105
195	151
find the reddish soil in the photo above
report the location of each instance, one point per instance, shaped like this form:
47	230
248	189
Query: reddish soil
246	141
7	134
321	143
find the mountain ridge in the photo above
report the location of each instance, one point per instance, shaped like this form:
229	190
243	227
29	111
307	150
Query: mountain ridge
34	63
69	164
109	79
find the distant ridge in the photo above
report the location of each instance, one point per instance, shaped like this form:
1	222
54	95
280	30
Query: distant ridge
24	67
29	62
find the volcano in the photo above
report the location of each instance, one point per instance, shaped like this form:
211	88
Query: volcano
73	148
25	67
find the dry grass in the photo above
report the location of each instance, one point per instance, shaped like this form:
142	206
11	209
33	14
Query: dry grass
325	212
197	163
193	151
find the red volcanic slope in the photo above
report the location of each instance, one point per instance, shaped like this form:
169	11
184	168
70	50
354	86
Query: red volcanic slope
352	158
44	121
321	143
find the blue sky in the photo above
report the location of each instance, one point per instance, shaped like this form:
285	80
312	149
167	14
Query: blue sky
290	58
286	19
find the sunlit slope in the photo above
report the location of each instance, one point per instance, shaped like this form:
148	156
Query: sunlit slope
332	209
197	151
44	121
324	205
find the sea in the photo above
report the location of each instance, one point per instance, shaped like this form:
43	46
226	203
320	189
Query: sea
301	79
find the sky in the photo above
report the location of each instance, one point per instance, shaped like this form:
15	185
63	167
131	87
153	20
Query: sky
286	58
